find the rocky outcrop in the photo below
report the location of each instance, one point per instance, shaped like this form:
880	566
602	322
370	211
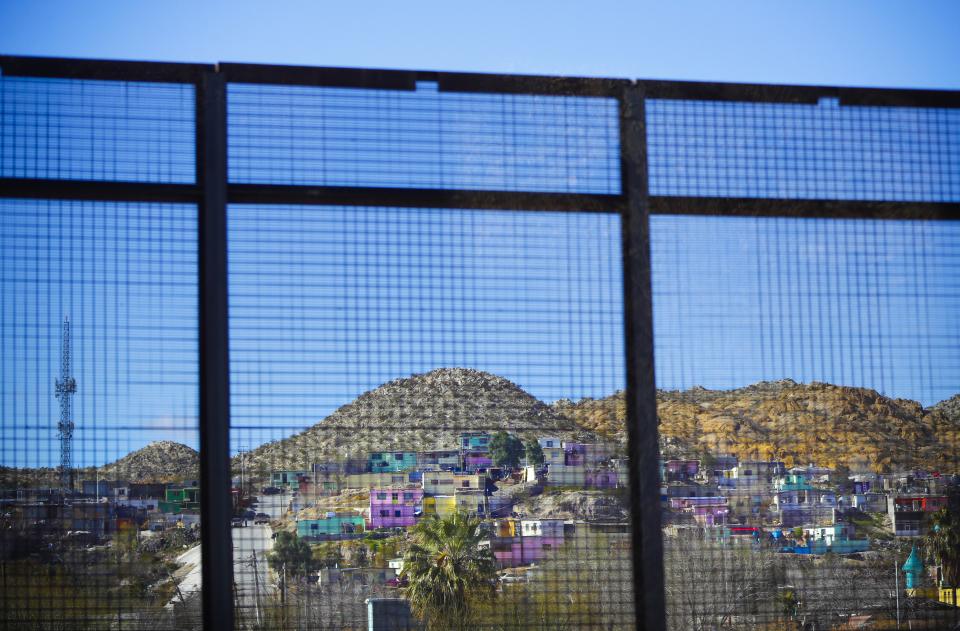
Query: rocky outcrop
416	413
799	423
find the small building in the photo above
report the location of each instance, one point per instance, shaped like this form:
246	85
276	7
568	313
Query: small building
332	526
443	459
601	479
910	514
392	461
395	507
550	442
474	442
440	505
472	502
476	461
553	456
287	479
680	470
446	482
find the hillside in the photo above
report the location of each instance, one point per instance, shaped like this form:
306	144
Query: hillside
160	461
799	423
421	412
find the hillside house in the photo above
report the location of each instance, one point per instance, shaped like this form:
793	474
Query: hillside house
566	475
474	442
804	505
179	499
574	454
332	526
680	470
443	459
550	442
476	461
553	456
373	480
706	511
601	479
395	507
869	502
446	482
392	461
440	505
287	479
910	514
472	502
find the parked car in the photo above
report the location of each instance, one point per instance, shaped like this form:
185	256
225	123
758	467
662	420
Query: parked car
237	522
262	518
270	490
249	514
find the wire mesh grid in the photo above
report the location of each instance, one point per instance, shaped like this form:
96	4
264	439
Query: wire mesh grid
788	151
96	130
410	388
808	420
422	139
98	374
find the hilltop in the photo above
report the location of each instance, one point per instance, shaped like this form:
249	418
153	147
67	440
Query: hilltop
416	413
799	423
160	461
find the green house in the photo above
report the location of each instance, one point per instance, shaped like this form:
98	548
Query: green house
392	461
333	525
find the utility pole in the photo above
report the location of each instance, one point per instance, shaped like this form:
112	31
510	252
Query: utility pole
896	581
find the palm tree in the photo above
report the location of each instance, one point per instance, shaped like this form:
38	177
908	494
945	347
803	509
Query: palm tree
943	544
446	572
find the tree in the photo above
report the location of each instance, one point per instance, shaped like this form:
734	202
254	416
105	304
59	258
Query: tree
447	573
291	555
534	453
506	450
943	541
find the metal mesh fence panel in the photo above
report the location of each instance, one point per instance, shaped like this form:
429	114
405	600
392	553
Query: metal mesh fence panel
98	375
422	139
413	396
793	151
96	130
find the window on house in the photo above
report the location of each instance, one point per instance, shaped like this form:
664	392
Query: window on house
396	513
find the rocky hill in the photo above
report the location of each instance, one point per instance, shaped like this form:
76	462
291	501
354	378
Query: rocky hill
421	412
799	423
160	461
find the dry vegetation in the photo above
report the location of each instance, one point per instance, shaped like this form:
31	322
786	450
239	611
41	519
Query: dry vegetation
798	423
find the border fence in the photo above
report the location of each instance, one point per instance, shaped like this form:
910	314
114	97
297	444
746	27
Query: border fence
646	152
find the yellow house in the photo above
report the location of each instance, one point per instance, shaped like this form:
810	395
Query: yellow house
440	505
950	596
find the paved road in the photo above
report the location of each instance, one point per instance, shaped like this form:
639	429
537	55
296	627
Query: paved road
250	569
251	545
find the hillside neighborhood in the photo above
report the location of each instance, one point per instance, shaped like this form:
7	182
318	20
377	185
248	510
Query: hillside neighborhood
540	498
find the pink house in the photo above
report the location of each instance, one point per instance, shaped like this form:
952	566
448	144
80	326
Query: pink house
395	507
516	551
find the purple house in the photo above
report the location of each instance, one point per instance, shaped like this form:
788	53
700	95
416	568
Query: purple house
395	507
574	454
681	470
601	479
476	461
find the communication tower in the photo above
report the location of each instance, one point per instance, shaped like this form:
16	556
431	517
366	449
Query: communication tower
66	386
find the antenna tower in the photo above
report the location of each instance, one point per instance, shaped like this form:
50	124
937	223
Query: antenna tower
66	386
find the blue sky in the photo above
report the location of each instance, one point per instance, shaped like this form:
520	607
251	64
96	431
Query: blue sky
887	43
322	313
